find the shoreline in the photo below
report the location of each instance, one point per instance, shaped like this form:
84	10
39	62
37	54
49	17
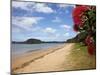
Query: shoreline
30	56
14	54
67	57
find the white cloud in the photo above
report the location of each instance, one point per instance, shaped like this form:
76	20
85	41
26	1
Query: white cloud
65	26
66	34
40	7
22	5
49	30
65	5
16	30
64	8
33	7
56	19
26	21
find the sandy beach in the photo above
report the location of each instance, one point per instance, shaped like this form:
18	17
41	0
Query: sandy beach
41	60
52	59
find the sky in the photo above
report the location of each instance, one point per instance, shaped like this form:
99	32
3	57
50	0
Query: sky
44	21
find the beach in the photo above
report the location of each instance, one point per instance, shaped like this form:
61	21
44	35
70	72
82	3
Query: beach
51	59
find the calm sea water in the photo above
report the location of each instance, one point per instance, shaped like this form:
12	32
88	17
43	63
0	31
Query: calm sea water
18	49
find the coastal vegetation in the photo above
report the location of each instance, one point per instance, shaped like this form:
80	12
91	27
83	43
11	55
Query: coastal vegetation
84	18
80	59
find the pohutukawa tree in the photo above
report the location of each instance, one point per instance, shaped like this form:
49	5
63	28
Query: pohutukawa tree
84	18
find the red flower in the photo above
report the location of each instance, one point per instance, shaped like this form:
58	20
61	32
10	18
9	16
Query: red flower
91	49
77	14
89	40
90	45
76	28
77	20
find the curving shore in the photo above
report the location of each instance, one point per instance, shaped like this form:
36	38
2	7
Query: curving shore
51	59
20	63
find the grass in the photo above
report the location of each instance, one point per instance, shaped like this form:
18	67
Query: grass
79	50
80	59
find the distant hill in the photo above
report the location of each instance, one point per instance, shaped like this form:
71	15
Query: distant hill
29	41
33	41
36	41
78	38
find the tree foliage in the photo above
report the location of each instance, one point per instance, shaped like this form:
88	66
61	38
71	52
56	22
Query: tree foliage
84	18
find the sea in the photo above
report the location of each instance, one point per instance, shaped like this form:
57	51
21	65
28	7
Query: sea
18	49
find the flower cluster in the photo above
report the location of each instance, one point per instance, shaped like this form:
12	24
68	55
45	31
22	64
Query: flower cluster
78	14
90	45
84	18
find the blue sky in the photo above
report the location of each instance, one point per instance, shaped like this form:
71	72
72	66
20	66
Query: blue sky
44	21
